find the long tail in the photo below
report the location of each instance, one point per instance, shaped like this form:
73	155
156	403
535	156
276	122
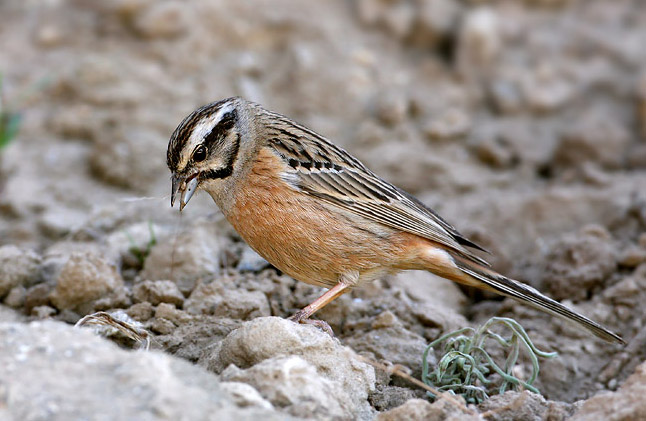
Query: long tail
487	279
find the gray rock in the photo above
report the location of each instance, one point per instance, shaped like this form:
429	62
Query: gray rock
133	242
580	262
423	410
294	385
223	301
156	292
389	397
390	341
10	315
17	267
525	406
627	403
425	287
192	255
269	337
593	138
54	372
86	282
16	297
58	255
245	395
43	312
121	157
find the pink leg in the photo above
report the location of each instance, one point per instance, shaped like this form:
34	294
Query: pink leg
303	316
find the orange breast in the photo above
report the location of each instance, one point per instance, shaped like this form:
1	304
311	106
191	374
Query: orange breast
308	239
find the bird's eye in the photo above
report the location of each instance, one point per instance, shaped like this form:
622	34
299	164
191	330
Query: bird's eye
200	154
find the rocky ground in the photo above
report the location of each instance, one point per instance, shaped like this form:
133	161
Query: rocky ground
522	122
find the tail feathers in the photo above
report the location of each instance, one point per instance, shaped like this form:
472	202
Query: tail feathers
526	294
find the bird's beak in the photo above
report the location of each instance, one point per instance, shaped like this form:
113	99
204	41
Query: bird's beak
183	186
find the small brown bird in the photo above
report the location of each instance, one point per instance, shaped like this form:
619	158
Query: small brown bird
318	214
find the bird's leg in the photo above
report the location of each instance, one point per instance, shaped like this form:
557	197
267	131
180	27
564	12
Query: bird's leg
302	316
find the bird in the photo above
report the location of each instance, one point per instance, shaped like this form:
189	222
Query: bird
319	215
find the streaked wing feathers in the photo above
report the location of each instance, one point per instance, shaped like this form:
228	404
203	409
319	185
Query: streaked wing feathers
326	171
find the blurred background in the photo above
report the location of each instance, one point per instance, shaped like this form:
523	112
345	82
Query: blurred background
516	120
523	123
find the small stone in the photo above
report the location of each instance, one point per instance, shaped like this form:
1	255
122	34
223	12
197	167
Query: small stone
506	96
84	279
141	312
385	319
632	256
388	397
451	124
392	108
169	312
245	396
16	297
43	312
156	292
162	326
545	89
225	301
17	267
37	295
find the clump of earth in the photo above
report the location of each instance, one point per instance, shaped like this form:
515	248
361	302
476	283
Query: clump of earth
522	123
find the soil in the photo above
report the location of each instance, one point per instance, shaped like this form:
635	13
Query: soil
522	123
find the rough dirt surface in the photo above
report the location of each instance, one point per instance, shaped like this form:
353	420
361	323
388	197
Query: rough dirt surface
523	123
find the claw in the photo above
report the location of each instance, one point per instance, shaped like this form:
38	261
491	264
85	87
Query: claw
324	326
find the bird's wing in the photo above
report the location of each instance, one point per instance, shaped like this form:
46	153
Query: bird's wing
322	169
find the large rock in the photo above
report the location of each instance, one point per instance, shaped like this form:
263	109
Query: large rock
269	337
54	372
294	384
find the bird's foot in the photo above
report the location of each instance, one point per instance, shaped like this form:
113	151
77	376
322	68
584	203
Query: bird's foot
302	317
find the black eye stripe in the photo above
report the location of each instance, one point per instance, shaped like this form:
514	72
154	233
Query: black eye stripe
221	129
